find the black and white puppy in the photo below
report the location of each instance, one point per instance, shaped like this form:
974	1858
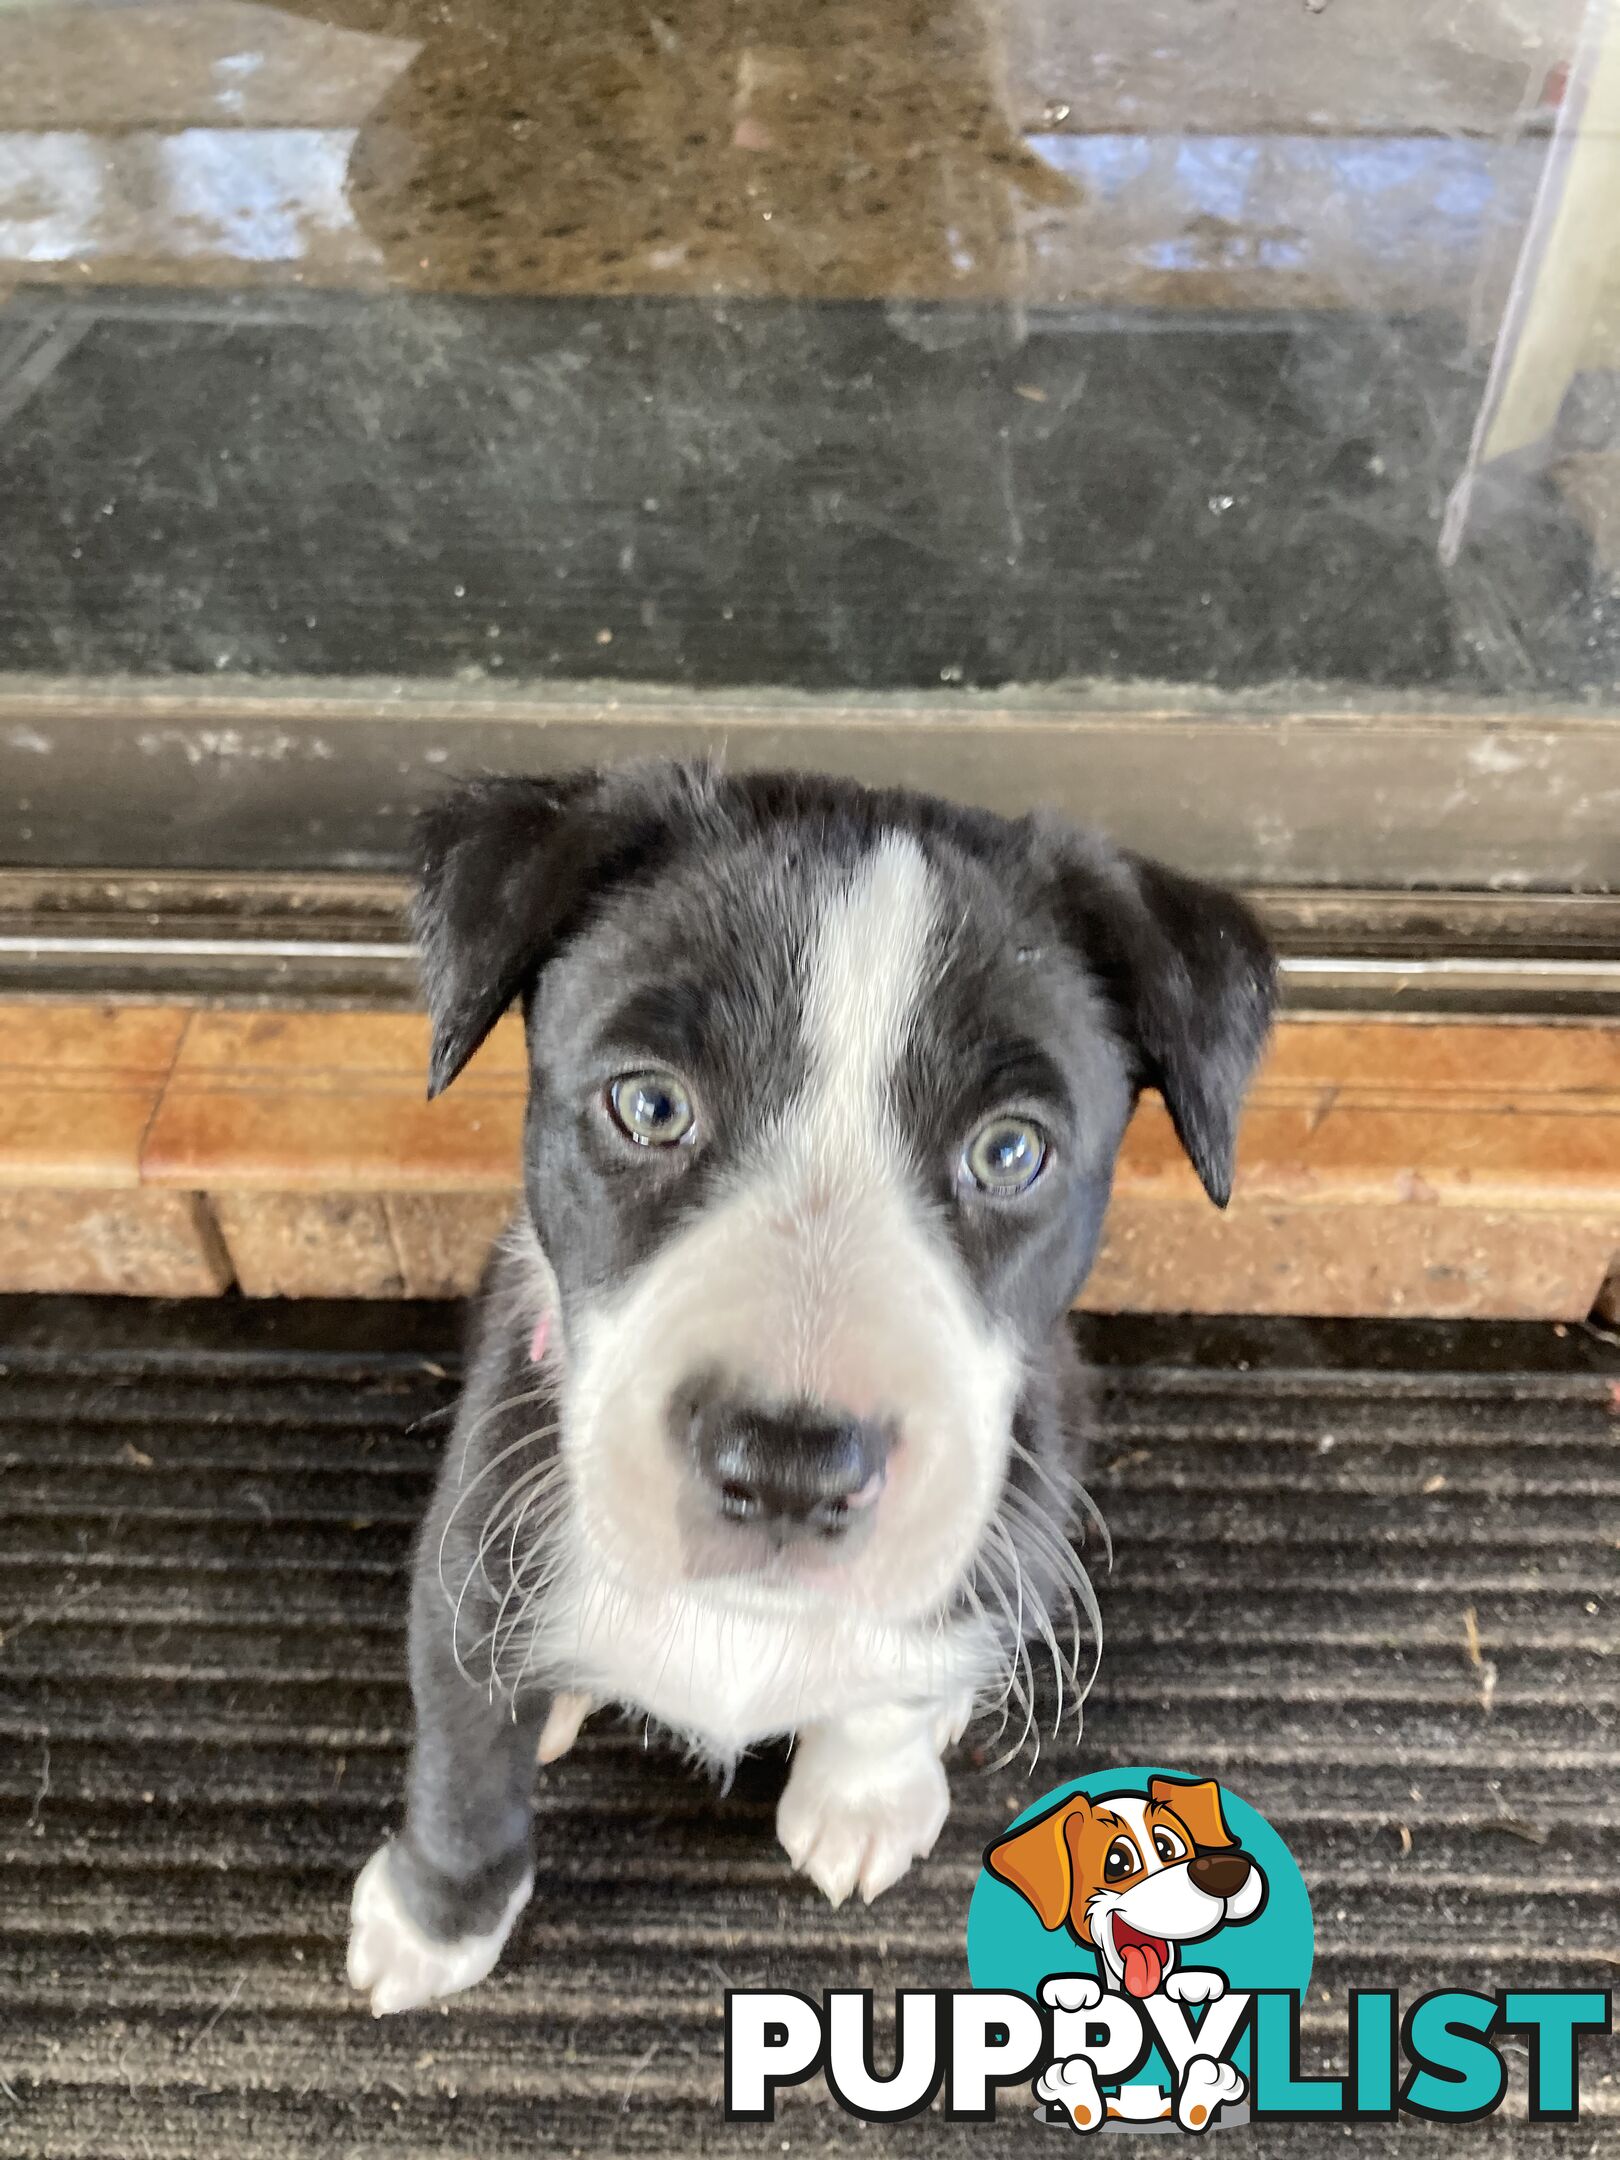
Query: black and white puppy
770	1423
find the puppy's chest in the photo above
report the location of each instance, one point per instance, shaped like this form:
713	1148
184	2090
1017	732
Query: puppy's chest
726	1678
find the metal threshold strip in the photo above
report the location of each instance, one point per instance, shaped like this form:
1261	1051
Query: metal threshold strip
340	939
218	948
1334	976
1455	984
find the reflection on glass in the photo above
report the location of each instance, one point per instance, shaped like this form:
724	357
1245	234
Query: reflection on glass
1036	152
814	342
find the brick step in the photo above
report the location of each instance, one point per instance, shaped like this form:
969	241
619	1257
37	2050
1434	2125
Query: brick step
1387	1166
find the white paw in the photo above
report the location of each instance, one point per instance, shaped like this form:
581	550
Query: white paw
1195	1986
1071	1991
850	1823
1073	2085
399	1967
567	1714
1206	2086
952	1720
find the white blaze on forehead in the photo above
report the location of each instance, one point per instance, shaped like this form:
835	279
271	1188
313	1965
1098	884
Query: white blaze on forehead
1133	1813
869	963
832	1178
816	1273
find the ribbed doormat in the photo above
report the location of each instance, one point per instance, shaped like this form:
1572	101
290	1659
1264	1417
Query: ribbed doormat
1367	1577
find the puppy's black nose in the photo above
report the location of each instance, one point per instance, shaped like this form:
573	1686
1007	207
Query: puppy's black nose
1222	1874
792	1473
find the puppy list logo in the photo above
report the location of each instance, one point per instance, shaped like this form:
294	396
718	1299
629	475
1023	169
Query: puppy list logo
1139	1943
1143	1910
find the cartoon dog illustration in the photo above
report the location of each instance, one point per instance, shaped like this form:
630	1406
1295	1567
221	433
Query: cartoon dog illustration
1133	1877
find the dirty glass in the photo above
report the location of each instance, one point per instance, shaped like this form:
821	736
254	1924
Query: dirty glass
837	347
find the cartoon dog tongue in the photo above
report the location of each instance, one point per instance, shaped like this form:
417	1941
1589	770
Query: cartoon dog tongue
1144	1959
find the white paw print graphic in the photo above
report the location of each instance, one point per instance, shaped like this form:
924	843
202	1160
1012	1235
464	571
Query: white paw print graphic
1072	2086
1206	2086
1071	1991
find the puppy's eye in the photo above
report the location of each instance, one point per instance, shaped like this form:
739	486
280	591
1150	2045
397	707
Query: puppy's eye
1122	1859
1168	1847
651	1108
1005	1156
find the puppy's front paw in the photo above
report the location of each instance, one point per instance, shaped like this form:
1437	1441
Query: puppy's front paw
1072	2086
952	1720
1195	1985
1206	2087
399	1967
850	1822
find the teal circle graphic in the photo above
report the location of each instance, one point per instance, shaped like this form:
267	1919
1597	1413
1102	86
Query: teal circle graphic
1007	1946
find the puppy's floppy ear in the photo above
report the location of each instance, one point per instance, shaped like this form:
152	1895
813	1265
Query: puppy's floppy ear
1192	978
1199	1806
1036	1861
506	868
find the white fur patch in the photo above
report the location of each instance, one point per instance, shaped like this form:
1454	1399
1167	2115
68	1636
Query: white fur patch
814	1275
729	1665
399	1967
868	972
